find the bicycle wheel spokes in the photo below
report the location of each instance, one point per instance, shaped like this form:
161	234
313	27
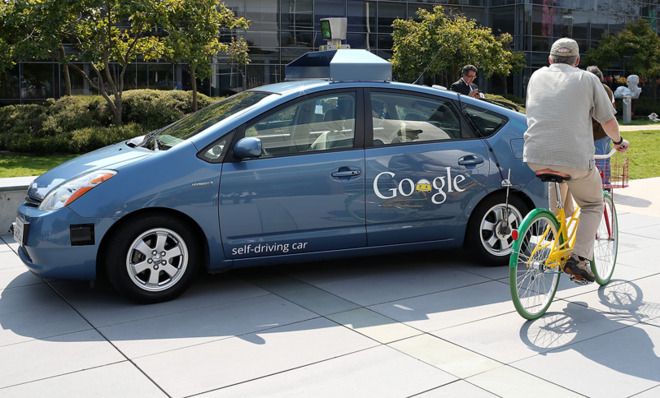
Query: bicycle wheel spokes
607	243
534	281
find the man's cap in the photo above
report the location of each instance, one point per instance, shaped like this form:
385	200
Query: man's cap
565	47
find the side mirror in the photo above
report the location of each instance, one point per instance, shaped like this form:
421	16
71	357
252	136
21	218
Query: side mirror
248	147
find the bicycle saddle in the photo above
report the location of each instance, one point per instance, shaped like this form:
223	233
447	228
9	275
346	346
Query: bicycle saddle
548	175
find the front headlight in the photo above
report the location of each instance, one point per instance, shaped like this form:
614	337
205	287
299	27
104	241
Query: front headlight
71	190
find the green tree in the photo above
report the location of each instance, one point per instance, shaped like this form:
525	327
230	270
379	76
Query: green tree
112	34
37	29
637	44
192	36
441	44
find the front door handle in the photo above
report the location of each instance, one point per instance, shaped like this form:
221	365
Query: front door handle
470	160
346	172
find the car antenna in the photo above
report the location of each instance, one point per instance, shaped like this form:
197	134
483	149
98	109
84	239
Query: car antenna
427	66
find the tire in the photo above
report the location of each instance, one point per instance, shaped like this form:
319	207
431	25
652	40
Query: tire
534	284
152	259
606	244
485	240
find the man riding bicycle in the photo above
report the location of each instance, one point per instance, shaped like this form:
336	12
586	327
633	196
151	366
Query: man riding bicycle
561	101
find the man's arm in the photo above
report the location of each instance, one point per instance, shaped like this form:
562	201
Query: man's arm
611	128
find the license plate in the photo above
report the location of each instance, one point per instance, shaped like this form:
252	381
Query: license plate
18	231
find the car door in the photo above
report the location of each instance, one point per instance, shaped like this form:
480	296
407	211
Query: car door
306	192
424	165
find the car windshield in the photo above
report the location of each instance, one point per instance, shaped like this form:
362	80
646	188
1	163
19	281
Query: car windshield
190	125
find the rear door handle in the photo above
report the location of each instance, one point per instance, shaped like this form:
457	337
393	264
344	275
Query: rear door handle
470	160
346	172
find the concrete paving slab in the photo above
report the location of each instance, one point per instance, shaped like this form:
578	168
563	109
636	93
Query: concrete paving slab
609	366
111	381
630	222
408	280
459	388
509	338
102	306
444	355
35	312
650	393
304	294
9	259
17	277
450	308
195	326
374	325
222	363
48	357
377	372
506	381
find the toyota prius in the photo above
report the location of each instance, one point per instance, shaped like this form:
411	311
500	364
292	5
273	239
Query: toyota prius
336	161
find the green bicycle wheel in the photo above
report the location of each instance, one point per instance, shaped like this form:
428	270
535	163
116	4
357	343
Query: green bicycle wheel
534	284
606	244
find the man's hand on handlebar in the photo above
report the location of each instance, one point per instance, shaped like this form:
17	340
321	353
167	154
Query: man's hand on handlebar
623	146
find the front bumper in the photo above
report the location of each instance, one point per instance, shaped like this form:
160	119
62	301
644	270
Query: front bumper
48	250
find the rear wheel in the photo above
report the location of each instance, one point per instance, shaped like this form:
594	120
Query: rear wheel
152	259
606	244
489	232
533	282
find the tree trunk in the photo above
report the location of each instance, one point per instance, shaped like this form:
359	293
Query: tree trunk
67	76
193	77
117	109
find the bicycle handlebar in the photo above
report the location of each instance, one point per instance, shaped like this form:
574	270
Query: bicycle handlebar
607	156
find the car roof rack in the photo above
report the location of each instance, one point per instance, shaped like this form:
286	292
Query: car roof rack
339	66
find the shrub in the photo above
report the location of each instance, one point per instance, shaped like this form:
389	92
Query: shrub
83	123
90	138
155	108
75	112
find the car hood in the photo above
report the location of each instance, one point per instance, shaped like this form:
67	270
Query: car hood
109	157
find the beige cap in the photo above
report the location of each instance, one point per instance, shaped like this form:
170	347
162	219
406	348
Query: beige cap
565	47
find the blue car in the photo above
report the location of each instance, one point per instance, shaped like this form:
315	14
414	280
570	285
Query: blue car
348	164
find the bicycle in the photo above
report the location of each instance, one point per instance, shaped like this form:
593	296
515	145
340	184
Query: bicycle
543	244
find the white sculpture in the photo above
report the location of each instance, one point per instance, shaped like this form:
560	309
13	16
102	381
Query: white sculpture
631	90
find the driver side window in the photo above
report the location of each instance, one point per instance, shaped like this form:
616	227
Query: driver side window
319	123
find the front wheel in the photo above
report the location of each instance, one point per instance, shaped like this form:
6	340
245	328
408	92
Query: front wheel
606	244
532	279
152	259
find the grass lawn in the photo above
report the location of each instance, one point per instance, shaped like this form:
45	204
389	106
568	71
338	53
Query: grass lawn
644	154
19	165
644	158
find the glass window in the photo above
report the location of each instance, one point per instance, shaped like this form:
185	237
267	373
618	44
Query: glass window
486	121
503	19
361	14
190	125
316	124
263	15
387	13
161	76
404	118
37	81
297	38
297	14
329	8
9	84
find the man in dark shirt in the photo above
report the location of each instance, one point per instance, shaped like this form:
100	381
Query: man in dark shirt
464	85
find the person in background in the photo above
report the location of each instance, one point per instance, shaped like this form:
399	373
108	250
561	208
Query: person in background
465	84
601	140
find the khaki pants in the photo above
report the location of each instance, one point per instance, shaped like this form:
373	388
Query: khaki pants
586	188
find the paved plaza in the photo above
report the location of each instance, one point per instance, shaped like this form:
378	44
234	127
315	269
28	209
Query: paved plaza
427	325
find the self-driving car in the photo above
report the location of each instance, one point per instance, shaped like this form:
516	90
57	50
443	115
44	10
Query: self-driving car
336	161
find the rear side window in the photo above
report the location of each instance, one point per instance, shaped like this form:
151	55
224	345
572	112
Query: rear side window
487	122
401	118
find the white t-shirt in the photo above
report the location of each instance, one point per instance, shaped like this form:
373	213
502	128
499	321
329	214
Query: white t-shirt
561	100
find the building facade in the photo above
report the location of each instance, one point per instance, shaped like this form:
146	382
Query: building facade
282	30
